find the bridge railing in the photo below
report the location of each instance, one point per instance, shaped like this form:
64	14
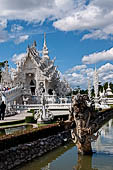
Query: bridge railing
11	94
37	106
50	99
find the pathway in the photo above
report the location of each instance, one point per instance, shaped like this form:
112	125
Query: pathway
19	116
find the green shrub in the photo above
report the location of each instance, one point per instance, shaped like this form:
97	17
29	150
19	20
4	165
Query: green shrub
110	96
30	119
31	111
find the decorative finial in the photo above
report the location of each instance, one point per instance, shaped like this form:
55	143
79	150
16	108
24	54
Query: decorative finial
28	49
34	44
89	89
6	66
45	49
44	39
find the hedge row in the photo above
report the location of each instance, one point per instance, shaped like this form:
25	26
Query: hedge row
30	135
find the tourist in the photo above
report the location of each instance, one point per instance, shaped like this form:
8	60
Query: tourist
2	110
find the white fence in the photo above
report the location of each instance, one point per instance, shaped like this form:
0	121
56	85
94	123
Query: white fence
56	109
11	94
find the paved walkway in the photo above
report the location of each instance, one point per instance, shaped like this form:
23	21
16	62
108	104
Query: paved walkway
19	116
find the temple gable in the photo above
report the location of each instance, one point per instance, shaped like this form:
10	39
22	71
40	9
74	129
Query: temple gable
29	64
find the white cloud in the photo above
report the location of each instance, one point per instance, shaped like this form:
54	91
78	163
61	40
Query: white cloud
106	73
79	20
35	10
3	33
80	77
66	15
17	58
16	28
64	5
96	17
99	56
3	23
21	39
76	68
3	36
106	68
98	34
32	11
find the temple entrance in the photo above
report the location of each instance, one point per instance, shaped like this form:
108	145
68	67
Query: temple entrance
32	87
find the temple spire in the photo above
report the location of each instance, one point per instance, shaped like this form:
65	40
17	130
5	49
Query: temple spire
34	44
45	40
89	89
96	82
45	49
6	66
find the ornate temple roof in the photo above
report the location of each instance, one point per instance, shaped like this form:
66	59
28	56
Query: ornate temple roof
45	64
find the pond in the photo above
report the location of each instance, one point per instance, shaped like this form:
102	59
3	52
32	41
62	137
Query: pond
15	129
67	158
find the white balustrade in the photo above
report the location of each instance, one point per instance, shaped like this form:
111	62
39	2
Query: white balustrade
53	103
11	94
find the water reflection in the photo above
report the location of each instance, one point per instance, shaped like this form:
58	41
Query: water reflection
12	130
84	163
67	158
104	144
60	159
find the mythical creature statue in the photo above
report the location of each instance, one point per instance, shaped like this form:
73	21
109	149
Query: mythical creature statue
83	123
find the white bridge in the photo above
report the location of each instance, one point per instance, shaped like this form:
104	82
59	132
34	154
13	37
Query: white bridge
12	94
57	107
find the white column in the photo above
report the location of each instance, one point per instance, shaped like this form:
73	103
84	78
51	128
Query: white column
89	89
95	82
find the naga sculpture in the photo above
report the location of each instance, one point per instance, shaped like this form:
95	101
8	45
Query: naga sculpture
85	123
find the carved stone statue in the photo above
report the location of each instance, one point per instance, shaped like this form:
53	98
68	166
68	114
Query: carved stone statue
82	118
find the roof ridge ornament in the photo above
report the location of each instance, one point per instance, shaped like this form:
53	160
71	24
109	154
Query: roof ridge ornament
45	49
45	45
34	44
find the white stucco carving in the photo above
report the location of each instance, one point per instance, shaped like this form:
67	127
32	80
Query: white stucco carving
34	69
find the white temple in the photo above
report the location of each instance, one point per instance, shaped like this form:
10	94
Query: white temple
37	73
103	99
34	75
108	91
34	72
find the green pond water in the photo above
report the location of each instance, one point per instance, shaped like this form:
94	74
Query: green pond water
67	158
15	129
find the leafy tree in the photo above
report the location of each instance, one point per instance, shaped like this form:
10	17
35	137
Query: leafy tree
105	85
100	87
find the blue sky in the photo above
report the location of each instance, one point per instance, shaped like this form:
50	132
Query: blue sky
79	34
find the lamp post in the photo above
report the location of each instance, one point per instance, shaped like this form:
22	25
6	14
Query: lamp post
43	115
